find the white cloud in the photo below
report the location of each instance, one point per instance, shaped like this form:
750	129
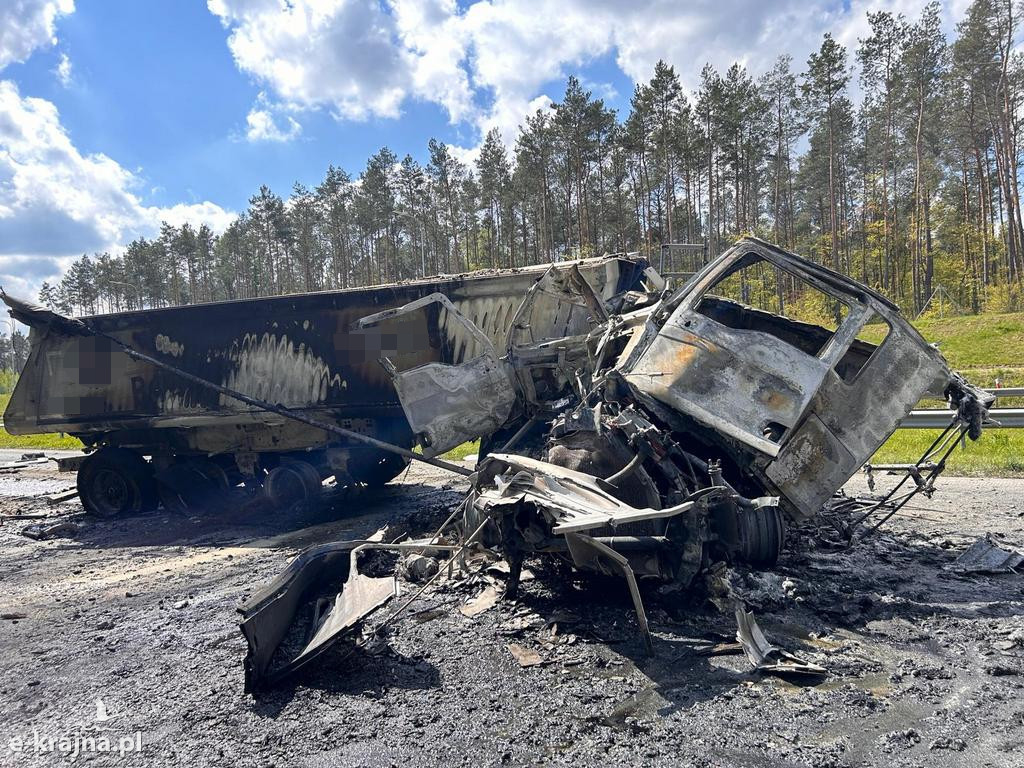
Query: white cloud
63	70
336	52
56	202
263	125
435	47
487	64
28	24
212	215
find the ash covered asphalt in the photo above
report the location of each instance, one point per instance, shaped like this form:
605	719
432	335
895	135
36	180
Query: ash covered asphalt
925	666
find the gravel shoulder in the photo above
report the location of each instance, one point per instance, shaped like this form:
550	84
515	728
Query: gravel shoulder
925	666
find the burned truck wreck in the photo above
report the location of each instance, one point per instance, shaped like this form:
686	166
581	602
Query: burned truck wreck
655	439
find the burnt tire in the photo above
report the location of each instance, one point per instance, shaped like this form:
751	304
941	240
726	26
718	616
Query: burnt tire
190	485
762	534
378	468
291	482
116	481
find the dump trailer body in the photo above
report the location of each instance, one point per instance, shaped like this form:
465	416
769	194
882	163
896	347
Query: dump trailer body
301	351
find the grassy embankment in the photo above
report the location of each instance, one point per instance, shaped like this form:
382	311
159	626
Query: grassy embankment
984	348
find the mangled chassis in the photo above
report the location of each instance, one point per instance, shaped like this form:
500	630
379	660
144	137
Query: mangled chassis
676	433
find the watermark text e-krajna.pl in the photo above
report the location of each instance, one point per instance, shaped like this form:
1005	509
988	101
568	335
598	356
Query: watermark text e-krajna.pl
80	742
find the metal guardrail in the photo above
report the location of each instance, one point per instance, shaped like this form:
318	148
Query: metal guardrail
1007	392
1012	418
1007	418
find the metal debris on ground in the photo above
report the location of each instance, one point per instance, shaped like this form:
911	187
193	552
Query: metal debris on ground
60	498
419	568
766	657
27	461
42	531
484	601
986	556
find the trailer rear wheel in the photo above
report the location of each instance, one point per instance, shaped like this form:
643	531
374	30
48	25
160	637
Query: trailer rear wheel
191	485
116	481
292	481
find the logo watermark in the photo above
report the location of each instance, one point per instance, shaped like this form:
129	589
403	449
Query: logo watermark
85	739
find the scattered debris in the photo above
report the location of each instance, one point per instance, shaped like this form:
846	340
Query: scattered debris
956	745
721	649
428	614
985	556
70	463
484	601
26	461
419	568
41	531
60	498
526	657
524	620
766	657
502	570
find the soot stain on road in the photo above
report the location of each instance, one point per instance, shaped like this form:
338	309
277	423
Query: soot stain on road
924	664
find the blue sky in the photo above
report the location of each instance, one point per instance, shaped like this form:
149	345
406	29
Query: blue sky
155	86
115	115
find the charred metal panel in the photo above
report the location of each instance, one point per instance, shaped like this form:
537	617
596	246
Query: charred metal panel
446	405
812	466
739	382
849	421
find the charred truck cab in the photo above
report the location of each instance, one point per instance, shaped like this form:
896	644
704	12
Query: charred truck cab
708	418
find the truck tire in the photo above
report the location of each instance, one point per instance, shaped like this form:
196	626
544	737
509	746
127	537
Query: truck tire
190	485
762	533
292	481
116	481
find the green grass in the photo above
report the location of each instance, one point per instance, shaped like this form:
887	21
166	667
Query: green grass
462	451
998	453
973	341
984	348
46	441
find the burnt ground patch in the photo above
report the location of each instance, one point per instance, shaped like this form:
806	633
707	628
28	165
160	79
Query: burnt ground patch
925	665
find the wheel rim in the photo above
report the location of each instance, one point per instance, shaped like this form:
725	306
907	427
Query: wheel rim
285	485
111	492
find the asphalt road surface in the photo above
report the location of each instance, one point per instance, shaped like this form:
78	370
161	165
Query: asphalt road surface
127	630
